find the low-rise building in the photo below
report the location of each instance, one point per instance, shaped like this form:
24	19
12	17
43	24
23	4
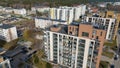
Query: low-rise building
4	63
20	11
8	32
44	22
40	9
1	8
8	10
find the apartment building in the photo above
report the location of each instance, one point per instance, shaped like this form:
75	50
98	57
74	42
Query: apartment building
67	13
8	10
45	22
74	45
40	9
8	32
107	23
20	11
112	14
4	63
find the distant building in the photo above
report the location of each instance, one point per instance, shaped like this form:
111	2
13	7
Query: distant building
67	13
116	3
4	63
1	9
40	9
114	8
75	45
20	11
93	10
43	22
8	10
108	23
8	32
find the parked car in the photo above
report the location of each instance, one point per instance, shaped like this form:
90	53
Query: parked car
116	57
112	66
119	31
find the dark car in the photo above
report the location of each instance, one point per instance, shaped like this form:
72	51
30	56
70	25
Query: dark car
119	31
112	66
115	57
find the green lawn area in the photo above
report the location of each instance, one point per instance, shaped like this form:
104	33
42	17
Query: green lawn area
2	43
104	64
108	54
112	44
8	45
38	62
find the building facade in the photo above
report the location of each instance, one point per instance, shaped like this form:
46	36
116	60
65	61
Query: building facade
67	13
74	46
107	23
112	14
4	63
40	9
8	32
20	11
44	22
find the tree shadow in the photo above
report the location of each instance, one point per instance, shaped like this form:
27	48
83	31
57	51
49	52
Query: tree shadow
2	43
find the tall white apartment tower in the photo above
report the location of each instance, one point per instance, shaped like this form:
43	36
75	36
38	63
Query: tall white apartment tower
74	46
68	14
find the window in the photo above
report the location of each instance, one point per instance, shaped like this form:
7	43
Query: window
90	19
82	41
70	33
101	33
97	37
109	16
70	28
107	21
94	32
85	34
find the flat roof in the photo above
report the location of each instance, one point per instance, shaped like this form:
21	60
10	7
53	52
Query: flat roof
64	28
50	19
5	26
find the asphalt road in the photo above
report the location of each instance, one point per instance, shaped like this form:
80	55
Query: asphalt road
117	62
118	43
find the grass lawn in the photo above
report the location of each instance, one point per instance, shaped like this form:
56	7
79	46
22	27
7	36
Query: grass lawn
38	62
2	43
8	45
112	45
108	54
104	64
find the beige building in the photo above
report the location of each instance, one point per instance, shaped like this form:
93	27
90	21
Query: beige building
112	14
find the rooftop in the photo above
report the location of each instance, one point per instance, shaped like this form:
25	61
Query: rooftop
63	28
51	19
60	28
5	26
96	26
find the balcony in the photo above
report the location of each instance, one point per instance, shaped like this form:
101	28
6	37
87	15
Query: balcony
80	58
55	39
82	41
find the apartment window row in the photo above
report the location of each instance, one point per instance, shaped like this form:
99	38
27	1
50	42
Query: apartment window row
85	34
